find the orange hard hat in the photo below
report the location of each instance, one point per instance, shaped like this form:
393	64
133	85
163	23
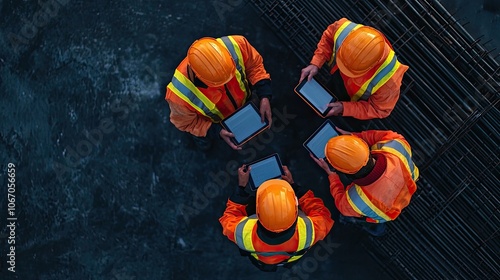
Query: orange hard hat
361	50
211	62
276	205
347	153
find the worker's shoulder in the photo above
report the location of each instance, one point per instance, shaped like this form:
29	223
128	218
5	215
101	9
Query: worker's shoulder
336	24
342	20
236	37
240	39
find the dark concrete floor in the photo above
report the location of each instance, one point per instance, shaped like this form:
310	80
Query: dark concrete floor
481	18
107	188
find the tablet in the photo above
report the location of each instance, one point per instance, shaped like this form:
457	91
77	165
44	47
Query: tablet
245	123
316	143
265	169
316	96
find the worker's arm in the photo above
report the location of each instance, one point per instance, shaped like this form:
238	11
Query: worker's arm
235	212
316	210
256	74
236	204
379	105
371	137
340	197
185	119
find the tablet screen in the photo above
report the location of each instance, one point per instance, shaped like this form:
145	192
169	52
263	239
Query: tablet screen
265	169
317	95
244	123
317	142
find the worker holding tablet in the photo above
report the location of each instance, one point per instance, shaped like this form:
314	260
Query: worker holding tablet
369	70
382	172
214	80
289	220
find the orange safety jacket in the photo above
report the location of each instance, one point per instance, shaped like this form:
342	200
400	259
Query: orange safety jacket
378	90
312	225
382	200
193	109
247	230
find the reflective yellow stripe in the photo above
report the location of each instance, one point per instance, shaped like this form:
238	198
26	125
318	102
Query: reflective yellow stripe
247	237
187	91
402	151
339	37
235	51
302	233
360	202
306	235
243	234
381	76
386	77
302	238
244	230
185	81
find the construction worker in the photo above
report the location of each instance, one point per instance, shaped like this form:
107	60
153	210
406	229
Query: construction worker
369	70
214	80
382	172
283	228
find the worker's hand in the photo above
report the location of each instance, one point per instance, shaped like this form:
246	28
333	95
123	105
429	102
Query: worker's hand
226	136
243	175
336	109
342	131
265	110
322	163
308	72
288	175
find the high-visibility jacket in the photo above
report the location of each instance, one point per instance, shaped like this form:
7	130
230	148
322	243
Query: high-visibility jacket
313	224
193	109
383	199
374	94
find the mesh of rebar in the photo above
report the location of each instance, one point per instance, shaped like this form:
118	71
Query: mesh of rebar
448	111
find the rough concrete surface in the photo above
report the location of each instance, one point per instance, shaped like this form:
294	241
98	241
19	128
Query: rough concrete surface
106	187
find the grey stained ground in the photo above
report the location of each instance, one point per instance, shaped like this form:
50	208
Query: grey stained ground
107	188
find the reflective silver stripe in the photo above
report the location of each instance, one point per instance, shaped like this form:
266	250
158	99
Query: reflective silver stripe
343	34
194	99
365	209
238	234
387	69
401	149
309	230
229	45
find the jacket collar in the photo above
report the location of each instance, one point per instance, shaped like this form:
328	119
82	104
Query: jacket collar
273	238
377	171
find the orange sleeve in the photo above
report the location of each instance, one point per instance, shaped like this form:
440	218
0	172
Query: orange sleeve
232	216
340	197
314	208
371	137
254	64
324	49
381	103
185	119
